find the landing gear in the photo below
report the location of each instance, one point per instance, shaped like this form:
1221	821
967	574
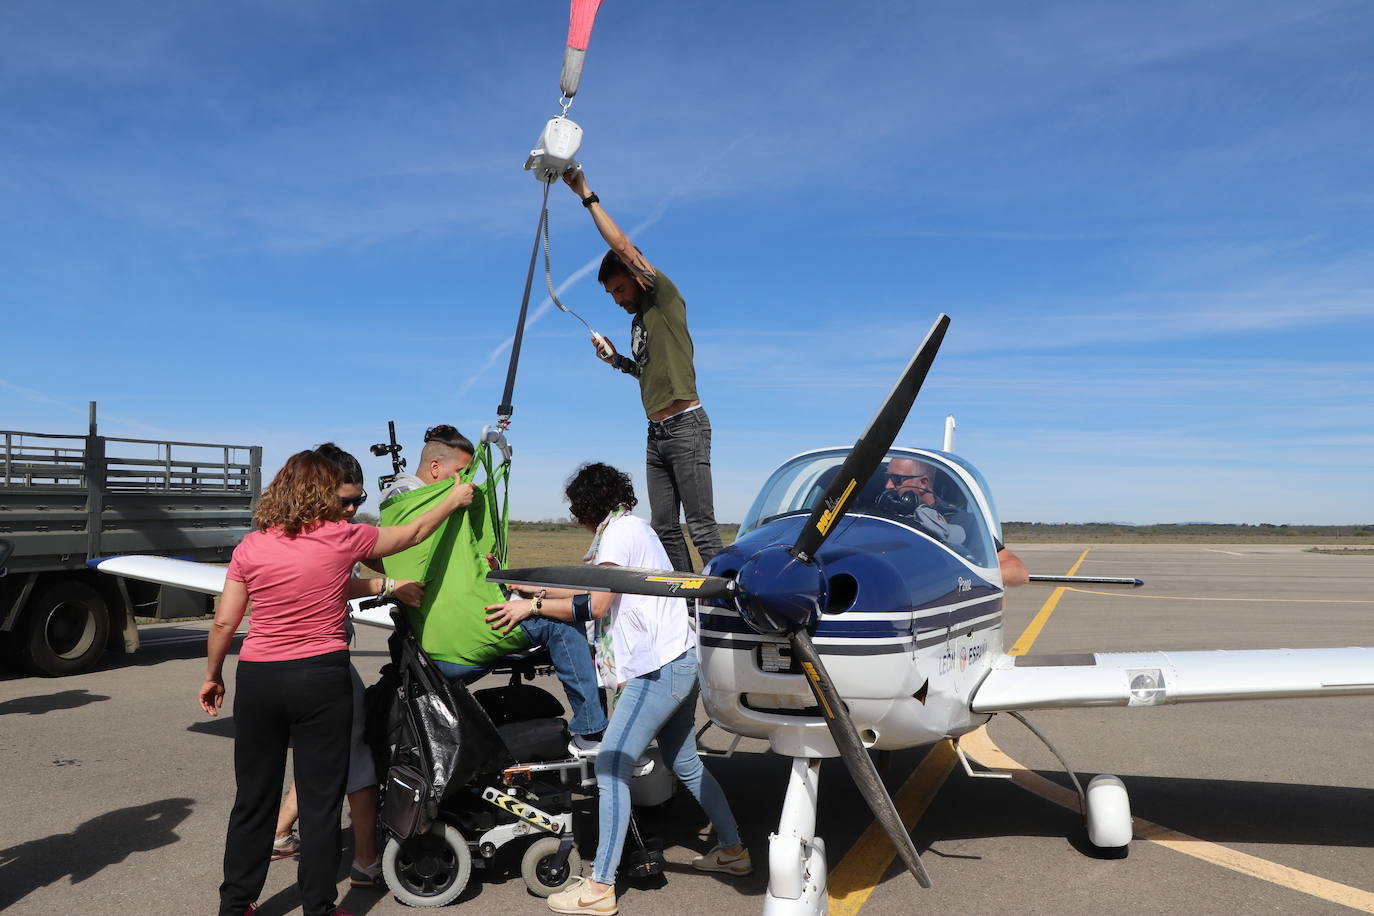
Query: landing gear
1105	806
796	856
1108	815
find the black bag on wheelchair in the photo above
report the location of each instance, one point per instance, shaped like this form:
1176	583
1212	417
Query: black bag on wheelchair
436	735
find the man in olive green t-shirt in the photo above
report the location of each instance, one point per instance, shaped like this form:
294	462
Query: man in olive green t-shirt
678	458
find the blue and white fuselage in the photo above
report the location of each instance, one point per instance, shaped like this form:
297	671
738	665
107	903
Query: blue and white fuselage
908	629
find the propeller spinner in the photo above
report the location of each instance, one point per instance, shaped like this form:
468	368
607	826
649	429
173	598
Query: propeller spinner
781	590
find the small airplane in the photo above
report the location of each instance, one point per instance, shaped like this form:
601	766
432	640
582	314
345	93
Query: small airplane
850	616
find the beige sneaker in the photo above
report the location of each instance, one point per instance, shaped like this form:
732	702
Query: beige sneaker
717	860
579	898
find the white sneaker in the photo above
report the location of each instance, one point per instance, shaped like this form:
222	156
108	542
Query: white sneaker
580	746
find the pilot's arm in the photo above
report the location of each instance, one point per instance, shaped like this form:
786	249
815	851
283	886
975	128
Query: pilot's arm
1014	572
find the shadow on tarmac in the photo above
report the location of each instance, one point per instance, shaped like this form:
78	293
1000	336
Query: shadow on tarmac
222	726
100	842
1219	811
36	706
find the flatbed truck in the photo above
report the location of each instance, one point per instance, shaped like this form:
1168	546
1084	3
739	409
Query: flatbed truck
66	499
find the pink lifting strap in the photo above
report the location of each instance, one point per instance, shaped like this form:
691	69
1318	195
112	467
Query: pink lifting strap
580	18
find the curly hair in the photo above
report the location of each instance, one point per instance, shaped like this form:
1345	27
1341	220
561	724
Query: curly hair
595	489
350	471
304	492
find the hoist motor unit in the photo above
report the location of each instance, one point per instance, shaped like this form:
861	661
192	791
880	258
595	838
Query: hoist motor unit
554	150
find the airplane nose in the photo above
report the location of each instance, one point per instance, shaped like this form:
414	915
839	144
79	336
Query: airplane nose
782	594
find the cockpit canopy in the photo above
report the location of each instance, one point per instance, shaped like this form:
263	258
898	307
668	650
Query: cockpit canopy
932	492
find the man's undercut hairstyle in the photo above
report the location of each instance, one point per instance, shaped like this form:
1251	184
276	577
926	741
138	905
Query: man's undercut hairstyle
350	471
449	435
595	489
612	266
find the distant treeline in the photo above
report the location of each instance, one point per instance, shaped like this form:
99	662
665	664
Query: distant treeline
727	531
1192	531
1104	531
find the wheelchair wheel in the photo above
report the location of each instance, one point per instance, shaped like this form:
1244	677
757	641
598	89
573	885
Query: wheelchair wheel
536	867
430	869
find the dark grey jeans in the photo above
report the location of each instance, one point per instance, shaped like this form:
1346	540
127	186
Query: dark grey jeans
677	468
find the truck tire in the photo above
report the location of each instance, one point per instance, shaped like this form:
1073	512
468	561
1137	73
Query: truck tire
65	629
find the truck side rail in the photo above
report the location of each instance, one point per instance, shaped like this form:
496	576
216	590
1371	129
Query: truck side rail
62	462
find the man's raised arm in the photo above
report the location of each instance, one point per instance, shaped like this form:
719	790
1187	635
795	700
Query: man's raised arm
618	241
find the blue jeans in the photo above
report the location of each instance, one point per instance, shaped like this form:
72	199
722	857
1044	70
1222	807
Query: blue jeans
662	703
677	472
572	660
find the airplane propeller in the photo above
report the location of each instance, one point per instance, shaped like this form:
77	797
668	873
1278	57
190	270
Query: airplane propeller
623	580
782	590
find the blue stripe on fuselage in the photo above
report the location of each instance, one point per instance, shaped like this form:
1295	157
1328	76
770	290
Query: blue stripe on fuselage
894	570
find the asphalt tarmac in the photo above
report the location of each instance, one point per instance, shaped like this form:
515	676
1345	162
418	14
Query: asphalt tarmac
117	788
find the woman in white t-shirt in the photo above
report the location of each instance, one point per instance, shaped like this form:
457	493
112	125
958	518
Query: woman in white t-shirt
646	649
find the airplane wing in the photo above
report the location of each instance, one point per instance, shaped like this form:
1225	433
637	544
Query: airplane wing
196	577
203	577
1160	678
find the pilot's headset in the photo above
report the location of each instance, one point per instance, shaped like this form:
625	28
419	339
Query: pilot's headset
909	505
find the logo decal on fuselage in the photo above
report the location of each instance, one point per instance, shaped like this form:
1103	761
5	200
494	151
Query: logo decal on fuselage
967	655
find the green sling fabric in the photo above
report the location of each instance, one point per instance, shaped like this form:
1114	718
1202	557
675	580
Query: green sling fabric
451	622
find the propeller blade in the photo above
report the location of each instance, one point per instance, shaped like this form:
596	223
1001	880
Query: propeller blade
870	448
624	580
861	768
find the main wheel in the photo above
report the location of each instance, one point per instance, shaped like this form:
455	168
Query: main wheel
537	867
1109	816
65	629
430	869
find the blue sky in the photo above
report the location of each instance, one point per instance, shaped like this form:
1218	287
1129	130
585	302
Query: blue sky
1151	224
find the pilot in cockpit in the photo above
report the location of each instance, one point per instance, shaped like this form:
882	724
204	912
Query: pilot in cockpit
907	494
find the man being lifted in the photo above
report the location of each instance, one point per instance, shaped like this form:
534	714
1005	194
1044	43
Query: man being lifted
677	461
450	622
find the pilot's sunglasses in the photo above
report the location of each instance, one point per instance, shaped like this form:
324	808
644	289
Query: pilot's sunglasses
899	480
354	501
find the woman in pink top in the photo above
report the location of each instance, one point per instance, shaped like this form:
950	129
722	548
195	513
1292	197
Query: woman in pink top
293	683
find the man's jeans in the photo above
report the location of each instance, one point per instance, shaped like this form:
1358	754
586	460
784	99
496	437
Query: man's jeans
662	703
572	660
677	467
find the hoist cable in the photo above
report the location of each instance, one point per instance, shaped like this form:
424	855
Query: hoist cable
504	411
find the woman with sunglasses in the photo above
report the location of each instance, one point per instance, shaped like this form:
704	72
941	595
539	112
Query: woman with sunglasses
293	684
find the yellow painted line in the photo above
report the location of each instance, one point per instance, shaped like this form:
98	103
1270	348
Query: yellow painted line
1138	597
1032	631
1081	557
981	747
863	866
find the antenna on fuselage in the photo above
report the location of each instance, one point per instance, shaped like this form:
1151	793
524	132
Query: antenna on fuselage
949	432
